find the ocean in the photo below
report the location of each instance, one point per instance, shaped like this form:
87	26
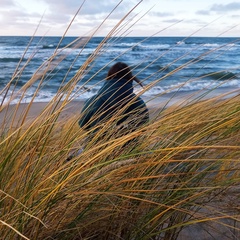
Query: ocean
165	65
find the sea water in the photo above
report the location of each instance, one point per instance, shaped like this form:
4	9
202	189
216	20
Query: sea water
165	65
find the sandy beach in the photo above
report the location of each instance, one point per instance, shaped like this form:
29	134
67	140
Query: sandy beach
14	114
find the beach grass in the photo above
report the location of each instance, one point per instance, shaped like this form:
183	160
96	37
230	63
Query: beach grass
182	176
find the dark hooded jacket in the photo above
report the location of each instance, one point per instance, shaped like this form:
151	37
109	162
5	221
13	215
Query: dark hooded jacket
115	100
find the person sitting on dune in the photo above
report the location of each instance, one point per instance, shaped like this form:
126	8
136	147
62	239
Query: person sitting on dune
116	92
115	102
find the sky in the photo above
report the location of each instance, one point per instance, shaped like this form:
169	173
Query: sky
149	18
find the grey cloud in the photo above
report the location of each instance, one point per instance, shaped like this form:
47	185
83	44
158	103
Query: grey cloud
12	13
89	7
17	20
7	3
220	8
235	16
234	6
92	12
203	12
55	18
12	16
161	14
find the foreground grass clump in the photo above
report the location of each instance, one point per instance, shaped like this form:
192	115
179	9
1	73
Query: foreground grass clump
182	173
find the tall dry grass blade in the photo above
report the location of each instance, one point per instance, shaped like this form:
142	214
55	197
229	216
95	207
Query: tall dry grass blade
15	230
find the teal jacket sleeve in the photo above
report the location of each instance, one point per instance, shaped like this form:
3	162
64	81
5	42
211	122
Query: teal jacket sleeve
89	109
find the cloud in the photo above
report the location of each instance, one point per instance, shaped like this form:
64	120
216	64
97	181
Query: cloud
16	22
196	22
173	20
220	8
7	3
236	16
12	14
234	6
89	7
60	12
17	16
203	12
161	14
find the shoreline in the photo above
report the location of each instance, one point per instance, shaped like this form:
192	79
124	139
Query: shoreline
13	113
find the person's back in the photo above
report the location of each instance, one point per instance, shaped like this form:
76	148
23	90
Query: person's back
115	102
